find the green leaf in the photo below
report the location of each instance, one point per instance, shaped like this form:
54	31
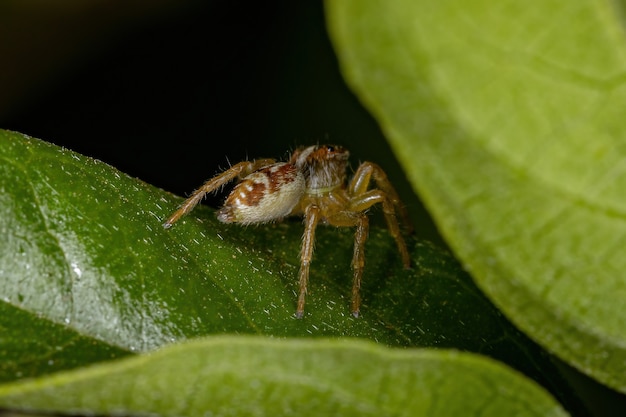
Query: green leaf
508	119
89	274
245	376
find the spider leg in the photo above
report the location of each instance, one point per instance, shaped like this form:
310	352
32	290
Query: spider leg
362	202
361	181
240	170
358	262
311	218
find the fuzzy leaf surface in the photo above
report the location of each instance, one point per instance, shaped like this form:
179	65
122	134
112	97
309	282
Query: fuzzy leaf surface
252	376
88	274
508	120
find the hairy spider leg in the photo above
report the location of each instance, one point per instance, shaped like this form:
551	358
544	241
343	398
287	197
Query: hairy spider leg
361	199
367	200
362	179
311	219
358	262
239	170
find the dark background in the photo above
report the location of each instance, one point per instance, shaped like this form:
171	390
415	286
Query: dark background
170	91
172	95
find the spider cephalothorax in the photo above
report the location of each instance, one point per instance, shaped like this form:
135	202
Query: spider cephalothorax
313	184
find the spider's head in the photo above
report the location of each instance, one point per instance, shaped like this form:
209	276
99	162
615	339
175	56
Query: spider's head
324	166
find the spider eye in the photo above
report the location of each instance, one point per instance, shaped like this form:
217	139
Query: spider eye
330	148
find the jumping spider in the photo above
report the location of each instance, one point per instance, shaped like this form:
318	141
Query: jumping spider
313	183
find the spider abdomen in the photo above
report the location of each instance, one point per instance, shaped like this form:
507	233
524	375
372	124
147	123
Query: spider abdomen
265	195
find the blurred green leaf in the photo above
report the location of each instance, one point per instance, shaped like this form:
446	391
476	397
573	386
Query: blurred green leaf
508	118
89	274
246	376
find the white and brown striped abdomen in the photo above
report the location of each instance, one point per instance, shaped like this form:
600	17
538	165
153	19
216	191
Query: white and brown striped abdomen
265	195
